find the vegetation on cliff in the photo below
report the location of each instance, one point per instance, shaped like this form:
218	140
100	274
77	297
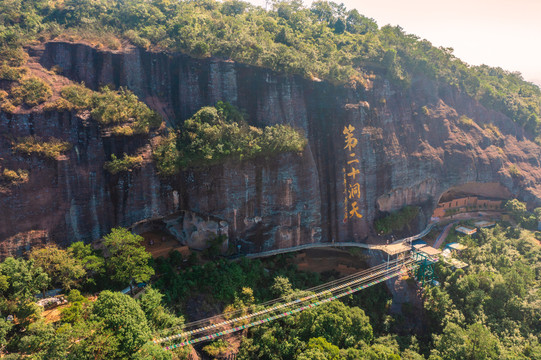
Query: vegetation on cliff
324	41
396	221
214	134
126	163
51	148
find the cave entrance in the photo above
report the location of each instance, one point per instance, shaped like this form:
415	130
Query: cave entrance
472	197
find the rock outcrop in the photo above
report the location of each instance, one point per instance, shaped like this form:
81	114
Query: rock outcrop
412	146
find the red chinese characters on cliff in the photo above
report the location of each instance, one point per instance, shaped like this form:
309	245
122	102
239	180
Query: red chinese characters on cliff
352	189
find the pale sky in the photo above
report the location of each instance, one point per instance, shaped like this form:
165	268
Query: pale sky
504	33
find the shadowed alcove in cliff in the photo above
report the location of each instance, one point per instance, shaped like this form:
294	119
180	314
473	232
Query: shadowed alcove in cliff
471	197
187	228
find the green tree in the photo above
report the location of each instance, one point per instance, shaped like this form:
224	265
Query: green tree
281	286
157	315
60	265
25	278
93	263
516	208
320	349
339	324
122	315
128	261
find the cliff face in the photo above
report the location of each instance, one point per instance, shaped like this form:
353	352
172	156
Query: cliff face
411	147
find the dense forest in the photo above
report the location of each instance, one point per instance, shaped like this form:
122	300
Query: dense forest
325	41
489	310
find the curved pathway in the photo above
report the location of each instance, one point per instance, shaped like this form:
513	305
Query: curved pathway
340	244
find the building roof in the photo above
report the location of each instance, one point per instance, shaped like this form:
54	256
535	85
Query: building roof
394	249
429	250
483	223
456	246
418	246
466	230
457	264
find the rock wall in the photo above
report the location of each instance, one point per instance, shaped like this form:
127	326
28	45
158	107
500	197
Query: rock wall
411	148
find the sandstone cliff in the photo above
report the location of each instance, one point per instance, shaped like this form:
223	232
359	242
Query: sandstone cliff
412	147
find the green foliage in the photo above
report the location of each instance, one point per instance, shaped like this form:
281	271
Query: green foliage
281	287
216	133
78	95
167	155
325	41
52	148
128	261
74	312
63	269
25	278
464	120
31	91
216	347
14	177
337	323
12	73
397	220
514	171
110	107
127	163
121	111
320	348
157	315
122	315
490	309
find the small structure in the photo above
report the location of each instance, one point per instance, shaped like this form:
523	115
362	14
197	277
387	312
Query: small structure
455	247
395	249
455	263
466	230
484	224
429	251
419	242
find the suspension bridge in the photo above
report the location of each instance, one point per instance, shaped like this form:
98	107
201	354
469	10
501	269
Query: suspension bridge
241	319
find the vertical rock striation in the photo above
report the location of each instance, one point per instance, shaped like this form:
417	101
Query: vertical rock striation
412	147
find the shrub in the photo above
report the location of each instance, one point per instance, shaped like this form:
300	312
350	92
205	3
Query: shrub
167	155
110	107
137	40
31	91
13	56
126	163
15	176
464	120
492	129
120	108
281	138
12	73
514	171
7	106
34	145
216	348
59	105
79	95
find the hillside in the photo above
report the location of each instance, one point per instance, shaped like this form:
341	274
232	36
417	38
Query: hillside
118	159
148	145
